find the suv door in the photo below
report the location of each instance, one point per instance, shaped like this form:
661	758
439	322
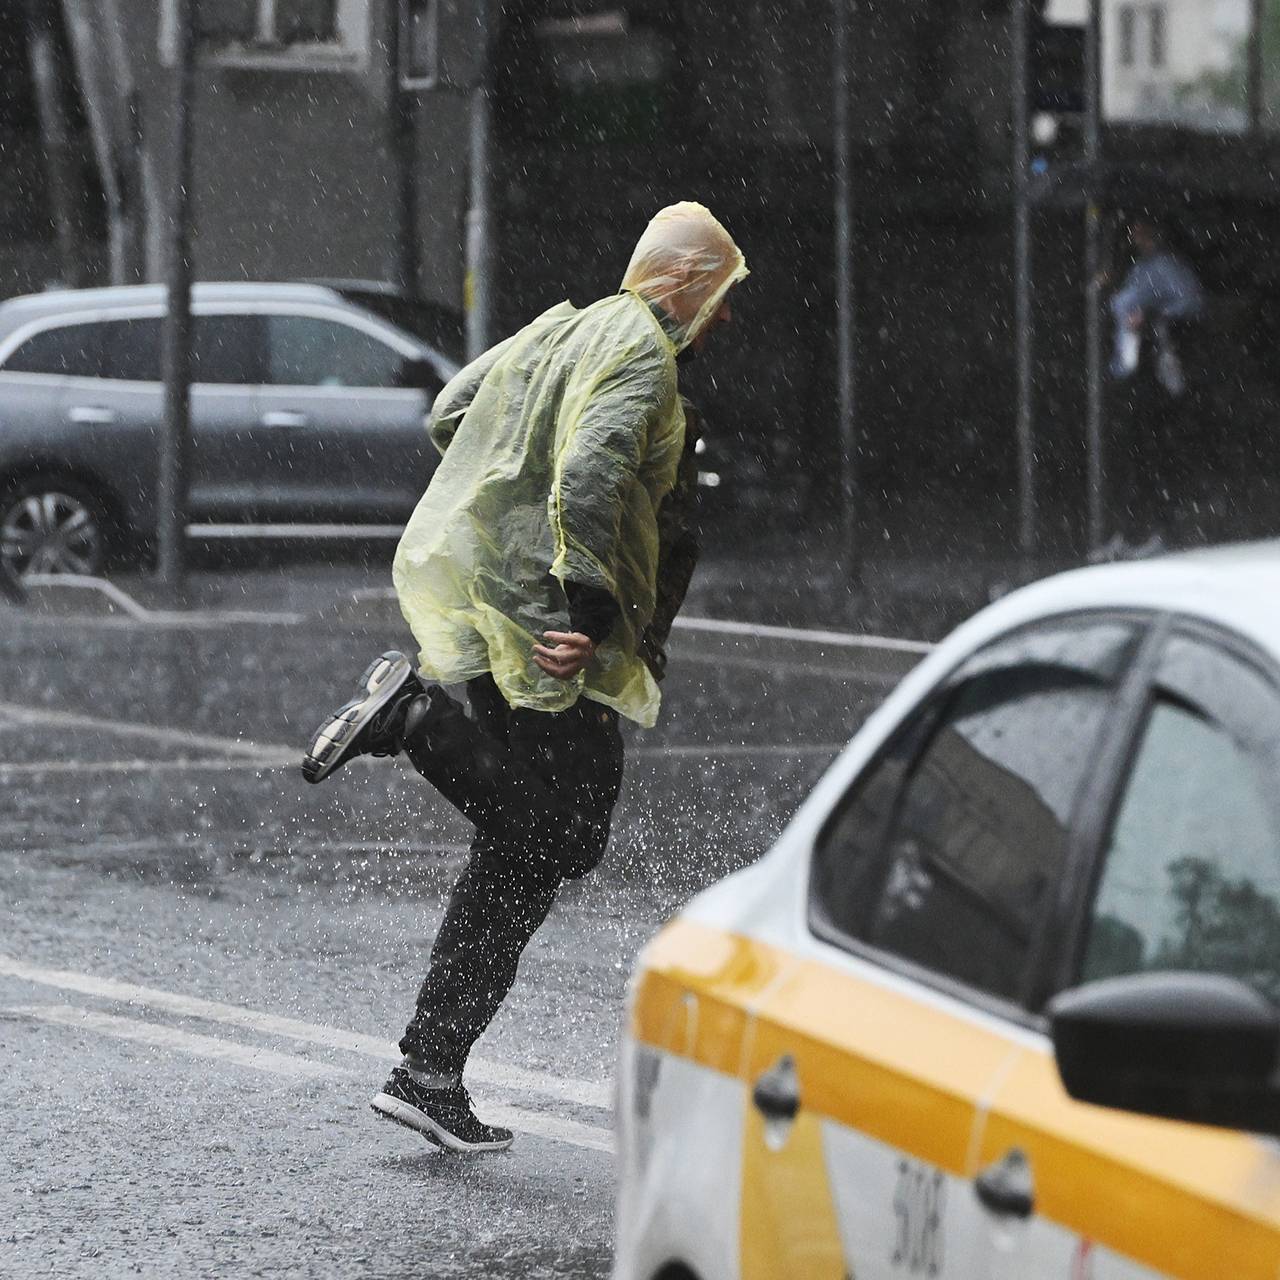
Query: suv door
931	884
225	474
1188	878
234	467
354	436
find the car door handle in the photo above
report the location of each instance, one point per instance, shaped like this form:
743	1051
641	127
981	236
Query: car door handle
777	1093
284	418
91	414
1006	1187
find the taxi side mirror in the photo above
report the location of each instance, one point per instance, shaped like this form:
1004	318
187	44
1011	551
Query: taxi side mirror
1187	1046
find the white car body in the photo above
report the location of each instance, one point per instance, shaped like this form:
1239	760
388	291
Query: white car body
707	1192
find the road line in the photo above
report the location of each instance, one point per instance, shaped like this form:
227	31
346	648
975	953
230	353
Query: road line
22	767
47	716
289	757
556	1128
805	635
162	1037
778	666
296	531
841	639
580	1092
195	618
290	1066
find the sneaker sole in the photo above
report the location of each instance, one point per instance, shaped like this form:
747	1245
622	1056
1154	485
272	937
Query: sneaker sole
331	743
389	1108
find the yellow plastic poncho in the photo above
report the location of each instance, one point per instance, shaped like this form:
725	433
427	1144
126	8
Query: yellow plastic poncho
559	445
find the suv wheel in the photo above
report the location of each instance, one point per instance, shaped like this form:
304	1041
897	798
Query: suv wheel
51	526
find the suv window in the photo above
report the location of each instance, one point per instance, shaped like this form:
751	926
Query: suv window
228	350
69	350
1191	875
948	847
131	349
304	351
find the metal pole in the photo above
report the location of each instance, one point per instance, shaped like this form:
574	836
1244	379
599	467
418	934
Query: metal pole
55	135
1255	90
478	288
175	444
403	136
1095	425
845	335
1023	334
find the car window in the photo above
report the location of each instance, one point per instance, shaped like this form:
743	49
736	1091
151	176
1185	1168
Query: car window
131	349
70	350
1191	874
304	351
228	350
948	847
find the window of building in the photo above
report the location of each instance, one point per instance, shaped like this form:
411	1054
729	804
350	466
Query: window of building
69	351
1126	28
306	351
276	34
1156	36
1191	878
419	43
949	847
609	73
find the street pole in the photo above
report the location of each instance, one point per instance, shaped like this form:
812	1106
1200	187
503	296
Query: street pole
850	541
1023	333
1095	426
478	288
1256	89
175	444
400	104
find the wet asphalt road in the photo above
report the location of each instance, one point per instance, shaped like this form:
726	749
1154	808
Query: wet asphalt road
204	963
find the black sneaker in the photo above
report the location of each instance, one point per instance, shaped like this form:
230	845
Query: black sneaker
442	1116
370	723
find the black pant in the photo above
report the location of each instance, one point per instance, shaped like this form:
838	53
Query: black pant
540	787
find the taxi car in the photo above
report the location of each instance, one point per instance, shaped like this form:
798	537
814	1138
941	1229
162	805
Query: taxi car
1003	999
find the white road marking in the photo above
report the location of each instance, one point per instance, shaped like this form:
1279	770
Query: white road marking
295	531
264	755
195	618
288	758
581	1092
841	639
557	1128
201	618
776	666
162	1037
758	630
275	761
47	717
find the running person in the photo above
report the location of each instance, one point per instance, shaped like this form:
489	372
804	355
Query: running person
543	567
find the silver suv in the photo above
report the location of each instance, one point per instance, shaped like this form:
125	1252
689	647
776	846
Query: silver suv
307	408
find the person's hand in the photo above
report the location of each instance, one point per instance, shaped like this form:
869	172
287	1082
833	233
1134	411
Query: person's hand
567	654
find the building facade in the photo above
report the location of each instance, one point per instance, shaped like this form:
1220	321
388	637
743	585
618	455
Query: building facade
313	118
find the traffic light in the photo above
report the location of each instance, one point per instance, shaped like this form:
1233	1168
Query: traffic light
1056	80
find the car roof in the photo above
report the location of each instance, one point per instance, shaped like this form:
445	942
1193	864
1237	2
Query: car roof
1234	586
37	306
